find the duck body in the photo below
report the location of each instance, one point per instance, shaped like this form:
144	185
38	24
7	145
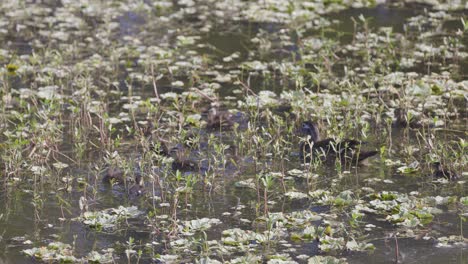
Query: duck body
347	150
179	153
219	119
225	119
440	171
113	175
404	120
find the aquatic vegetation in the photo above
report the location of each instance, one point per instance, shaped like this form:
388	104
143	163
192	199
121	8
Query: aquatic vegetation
200	224
326	260
105	257
55	251
63	253
411	168
181	117
108	219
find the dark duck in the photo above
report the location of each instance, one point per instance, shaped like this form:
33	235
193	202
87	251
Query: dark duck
403	119
441	171
347	150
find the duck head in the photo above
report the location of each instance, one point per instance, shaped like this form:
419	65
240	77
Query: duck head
311	129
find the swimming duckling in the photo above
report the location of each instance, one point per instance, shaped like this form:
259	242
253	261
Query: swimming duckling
180	153
403	119
219	118
412	119
347	150
136	189
114	175
160	148
440	171
182	160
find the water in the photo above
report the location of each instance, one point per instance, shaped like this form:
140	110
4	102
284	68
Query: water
40	222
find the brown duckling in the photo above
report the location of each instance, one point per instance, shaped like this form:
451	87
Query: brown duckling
136	189
403	119
219	118
160	148
160	145
114	175
182	160
440	171
180	154
348	150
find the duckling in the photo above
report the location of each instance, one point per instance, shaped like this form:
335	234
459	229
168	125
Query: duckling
160	148
152	139
114	175
218	118
159	145
440	171
137	188
182	160
405	120
180	153
347	150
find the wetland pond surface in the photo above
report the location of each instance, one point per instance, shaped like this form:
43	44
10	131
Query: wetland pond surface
169	131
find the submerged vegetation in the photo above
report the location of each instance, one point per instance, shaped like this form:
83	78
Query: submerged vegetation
169	131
